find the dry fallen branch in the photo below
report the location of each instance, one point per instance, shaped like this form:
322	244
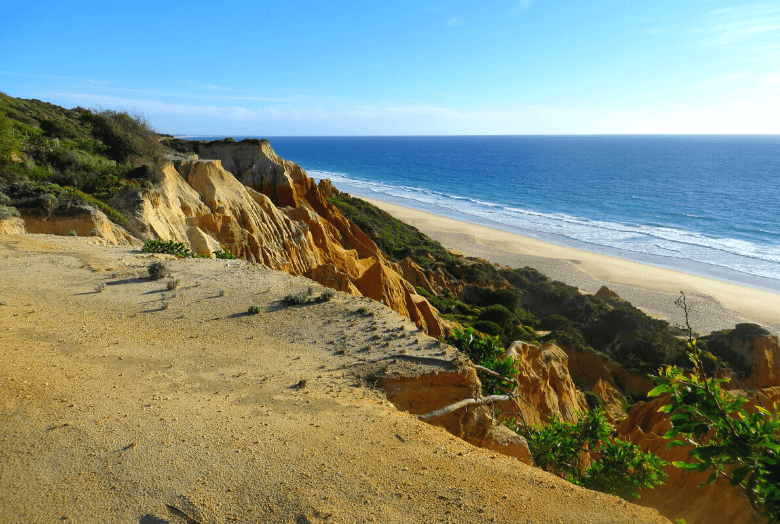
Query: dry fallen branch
463	403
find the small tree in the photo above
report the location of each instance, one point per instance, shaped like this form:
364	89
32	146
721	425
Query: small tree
583	454
485	351
740	445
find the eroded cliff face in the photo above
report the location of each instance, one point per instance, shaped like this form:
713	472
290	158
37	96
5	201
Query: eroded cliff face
425	393
273	214
545	385
681	496
84	221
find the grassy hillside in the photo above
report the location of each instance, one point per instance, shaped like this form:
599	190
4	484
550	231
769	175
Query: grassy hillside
51	157
94	151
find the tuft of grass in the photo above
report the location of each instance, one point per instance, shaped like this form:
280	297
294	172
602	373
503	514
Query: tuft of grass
295	299
72	233
158	271
172	284
221	293
254	310
363	310
327	294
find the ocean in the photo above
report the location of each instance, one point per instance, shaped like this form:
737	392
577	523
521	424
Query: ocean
704	205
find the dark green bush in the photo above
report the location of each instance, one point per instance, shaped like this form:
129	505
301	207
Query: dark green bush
158	271
498	314
170	247
583	454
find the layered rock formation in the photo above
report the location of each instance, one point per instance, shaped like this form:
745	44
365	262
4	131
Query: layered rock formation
545	385
420	395
272	213
85	221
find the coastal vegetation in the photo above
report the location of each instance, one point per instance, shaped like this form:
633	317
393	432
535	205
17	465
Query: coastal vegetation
52	157
584	454
728	436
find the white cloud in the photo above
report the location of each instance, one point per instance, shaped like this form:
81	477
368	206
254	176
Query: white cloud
329	118
216	88
454	21
521	6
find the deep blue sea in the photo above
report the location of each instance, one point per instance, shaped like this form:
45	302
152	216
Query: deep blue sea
706	205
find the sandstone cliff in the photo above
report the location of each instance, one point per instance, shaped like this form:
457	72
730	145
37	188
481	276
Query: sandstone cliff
545	385
271	212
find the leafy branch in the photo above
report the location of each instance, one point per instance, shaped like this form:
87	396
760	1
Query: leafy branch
741	446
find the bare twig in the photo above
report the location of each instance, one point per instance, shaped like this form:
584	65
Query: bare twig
463	403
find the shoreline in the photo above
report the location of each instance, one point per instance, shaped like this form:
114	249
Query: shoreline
718	305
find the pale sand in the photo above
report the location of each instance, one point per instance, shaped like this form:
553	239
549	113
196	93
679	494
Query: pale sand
718	305
114	407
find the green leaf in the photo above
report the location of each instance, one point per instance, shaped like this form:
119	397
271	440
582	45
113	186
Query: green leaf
657	391
712	478
738	475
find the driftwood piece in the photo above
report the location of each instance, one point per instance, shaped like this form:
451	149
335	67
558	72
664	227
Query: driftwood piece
466	402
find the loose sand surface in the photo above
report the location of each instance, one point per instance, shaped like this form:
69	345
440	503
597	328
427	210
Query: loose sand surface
123	401
718	305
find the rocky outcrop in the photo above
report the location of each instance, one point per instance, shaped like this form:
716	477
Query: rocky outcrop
765	356
420	395
613	400
12	226
588	368
545	385
274	214
85	221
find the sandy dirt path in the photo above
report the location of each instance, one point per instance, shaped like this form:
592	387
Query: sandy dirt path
123	401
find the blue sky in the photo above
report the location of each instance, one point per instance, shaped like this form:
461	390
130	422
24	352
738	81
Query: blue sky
404	67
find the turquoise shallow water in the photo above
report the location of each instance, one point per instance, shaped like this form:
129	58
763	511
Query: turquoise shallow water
701	204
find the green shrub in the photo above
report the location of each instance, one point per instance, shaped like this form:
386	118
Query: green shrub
172	284
296	299
8	212
485	351
158	271
9	141
170	247
327	294
583	454
254	310
738	444
224	253
498	314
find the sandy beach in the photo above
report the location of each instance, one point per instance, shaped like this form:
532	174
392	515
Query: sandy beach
718	305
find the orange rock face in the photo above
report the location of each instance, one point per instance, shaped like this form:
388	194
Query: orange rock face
426	393
545	384
273	214
589	368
